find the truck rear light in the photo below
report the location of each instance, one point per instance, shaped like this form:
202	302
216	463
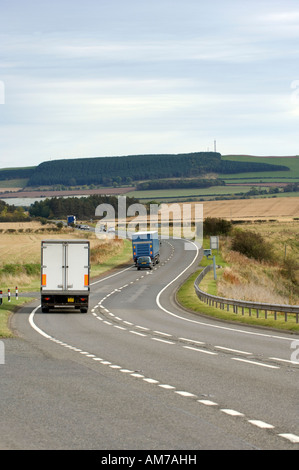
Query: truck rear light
83	299
47	298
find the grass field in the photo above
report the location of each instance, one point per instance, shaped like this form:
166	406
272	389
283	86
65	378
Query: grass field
169	194
290	162
23	247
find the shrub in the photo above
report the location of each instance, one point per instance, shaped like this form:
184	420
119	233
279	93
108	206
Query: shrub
32	269
12	268
252	245
290	269
216	226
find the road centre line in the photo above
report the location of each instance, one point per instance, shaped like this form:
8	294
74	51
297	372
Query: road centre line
233	350
162	340
201	350
284	360
137	333
231	412
255	363
261	424
191	341
161	333
288	436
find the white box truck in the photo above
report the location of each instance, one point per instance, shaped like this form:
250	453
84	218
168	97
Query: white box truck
65	269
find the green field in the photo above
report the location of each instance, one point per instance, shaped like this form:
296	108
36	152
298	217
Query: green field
13	183
166	194
281	176
239	179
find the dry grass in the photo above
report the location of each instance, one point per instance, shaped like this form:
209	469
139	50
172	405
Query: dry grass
247	279
24	247
280	208
21	248
101	250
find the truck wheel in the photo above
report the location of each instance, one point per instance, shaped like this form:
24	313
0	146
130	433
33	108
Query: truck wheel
138	268
83	310
45	309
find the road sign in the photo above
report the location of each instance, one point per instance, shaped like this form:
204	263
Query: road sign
214	243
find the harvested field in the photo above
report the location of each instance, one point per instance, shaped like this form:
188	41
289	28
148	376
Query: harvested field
74	192
23	247
266	208
247	209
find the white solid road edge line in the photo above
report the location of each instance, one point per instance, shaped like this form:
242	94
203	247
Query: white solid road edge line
36	328
177	277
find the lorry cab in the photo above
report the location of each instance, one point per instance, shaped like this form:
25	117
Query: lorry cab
144	262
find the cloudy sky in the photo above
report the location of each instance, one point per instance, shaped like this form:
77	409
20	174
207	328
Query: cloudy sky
119	77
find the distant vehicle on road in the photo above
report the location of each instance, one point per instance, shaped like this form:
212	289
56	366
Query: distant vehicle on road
71	219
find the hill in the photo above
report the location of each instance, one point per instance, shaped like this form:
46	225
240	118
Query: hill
131	168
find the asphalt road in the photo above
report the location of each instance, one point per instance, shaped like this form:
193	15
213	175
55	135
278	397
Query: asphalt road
139	372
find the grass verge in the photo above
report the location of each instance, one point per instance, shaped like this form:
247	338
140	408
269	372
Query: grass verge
123	255
186	296
6	309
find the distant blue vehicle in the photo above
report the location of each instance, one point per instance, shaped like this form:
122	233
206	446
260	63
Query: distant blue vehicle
144	262
71	219
146	244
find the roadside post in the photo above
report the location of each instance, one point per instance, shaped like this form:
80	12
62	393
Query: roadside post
17	293
214	245
208	254
214	268
1	297
8	295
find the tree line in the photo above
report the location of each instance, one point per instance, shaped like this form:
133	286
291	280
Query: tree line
128	169
83	207
11	213
179	183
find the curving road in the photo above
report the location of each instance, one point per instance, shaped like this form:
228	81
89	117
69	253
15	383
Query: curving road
139	372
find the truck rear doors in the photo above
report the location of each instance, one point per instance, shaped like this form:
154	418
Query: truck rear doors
65	266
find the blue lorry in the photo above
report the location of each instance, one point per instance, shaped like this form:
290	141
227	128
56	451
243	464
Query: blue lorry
71	219
146	244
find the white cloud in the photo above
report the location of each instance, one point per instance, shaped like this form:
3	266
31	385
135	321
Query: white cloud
282	17
117	77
